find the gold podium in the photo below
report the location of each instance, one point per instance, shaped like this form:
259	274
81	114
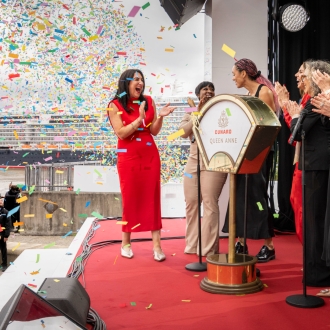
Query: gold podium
234	134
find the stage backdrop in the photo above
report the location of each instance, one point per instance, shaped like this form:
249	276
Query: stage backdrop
68	55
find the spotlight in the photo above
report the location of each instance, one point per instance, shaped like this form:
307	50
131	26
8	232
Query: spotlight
293	17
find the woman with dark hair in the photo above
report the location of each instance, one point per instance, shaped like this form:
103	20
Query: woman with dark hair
134	119
211	187
317	159
259	215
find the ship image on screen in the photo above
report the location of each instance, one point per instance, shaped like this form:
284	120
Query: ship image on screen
27	311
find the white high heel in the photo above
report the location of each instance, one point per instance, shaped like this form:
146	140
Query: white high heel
159	256
127	253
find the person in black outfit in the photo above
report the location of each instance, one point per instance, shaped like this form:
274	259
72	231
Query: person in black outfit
10	203
317	159
259	215
5	222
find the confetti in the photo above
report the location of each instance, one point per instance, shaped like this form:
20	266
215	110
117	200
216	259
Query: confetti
115	260
28	215
47	201
121	223
21	200
15	247
186	300
134	11
176	135
228	112
32	285
228	50
49	216
67	234
13	211
97	215
260	206
98	173
136	226
188	175
38	258
149	306
49	245
170	50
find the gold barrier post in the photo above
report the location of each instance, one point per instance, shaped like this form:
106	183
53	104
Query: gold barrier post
232	218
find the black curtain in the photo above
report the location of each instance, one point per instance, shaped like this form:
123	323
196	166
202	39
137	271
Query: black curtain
313	41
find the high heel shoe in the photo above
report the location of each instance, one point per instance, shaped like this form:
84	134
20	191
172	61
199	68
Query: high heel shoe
127	253
159	256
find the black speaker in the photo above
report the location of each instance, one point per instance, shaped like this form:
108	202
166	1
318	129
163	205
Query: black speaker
68	295
180	11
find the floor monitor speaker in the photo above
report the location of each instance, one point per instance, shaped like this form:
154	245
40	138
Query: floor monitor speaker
68	295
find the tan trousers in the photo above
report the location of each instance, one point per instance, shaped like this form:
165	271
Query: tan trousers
211	187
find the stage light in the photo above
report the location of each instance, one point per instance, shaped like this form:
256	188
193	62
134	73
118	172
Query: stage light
293	17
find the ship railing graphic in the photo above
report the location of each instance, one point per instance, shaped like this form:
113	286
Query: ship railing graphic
17	132
52	177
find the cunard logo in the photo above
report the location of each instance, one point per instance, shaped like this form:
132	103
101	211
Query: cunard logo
223	120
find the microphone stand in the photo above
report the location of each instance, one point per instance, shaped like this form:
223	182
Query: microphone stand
303	300
198	266
245	218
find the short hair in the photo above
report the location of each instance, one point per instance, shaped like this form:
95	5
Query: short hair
202	85
321	65
123	83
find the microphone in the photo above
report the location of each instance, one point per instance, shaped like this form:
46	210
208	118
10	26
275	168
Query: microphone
301	118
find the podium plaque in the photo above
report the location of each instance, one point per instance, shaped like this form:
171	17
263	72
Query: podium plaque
234	134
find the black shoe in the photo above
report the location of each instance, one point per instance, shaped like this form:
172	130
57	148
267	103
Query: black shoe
3	267
239	248
258	272
265	254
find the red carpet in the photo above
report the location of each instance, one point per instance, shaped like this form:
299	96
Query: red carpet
113	283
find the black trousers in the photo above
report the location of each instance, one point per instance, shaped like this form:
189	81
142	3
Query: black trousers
3	249
317	272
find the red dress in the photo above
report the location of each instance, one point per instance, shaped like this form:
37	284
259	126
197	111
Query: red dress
138	165
296	188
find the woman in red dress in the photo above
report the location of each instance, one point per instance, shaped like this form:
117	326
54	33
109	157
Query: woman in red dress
296	187
134	119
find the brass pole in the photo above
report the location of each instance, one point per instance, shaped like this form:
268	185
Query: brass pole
232	218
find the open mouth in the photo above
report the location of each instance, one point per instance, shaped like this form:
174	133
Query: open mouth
138	90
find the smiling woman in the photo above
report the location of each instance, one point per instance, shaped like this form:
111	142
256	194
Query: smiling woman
134	119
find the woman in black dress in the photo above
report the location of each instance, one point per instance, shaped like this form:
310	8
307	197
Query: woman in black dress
259	216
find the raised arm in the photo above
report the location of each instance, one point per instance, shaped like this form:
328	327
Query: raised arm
157	122
124	131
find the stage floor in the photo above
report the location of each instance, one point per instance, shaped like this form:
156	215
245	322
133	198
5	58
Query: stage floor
121	290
